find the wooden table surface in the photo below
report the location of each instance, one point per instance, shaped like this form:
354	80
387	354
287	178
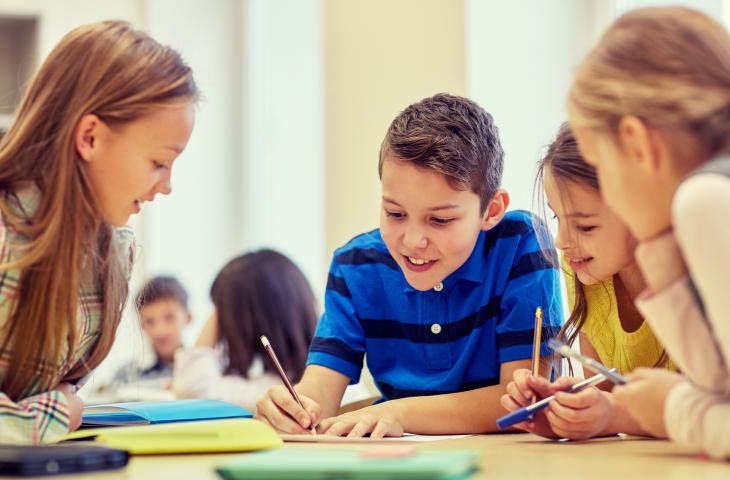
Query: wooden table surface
513	456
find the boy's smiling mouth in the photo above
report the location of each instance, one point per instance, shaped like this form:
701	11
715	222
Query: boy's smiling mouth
418	264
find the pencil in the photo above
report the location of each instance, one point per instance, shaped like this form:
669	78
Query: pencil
270	350
536	344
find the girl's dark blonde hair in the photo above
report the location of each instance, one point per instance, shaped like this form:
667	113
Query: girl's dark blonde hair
119	74
670	67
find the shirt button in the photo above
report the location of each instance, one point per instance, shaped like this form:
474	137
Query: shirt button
438	287
435	328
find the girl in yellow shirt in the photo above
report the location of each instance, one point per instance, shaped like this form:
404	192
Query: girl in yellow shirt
602	280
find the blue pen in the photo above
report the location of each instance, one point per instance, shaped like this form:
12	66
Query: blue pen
527	412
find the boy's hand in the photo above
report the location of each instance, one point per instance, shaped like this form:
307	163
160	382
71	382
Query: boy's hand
279	409
644	396
519	394
75	405
581	415
377	420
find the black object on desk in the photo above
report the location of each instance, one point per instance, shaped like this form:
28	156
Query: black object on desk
26	460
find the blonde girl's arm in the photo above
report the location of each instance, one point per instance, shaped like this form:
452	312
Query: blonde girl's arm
42	418
697	336
689	315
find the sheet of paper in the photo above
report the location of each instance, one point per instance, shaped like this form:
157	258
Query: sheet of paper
408	437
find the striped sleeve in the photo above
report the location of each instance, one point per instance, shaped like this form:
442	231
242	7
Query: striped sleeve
339	341
533	282
39	419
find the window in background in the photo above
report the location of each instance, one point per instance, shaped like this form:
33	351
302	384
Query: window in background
17	62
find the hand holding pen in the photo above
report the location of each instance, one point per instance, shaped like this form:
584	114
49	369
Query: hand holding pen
576	412
270	351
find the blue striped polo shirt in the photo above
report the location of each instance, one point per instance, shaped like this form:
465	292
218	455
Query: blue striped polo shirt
443	340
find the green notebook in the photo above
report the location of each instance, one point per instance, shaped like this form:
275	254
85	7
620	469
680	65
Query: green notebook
304	464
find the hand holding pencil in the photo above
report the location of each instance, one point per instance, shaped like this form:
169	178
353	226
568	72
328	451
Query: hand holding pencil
282	407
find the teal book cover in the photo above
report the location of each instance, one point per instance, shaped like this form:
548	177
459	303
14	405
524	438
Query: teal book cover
149	413
350	464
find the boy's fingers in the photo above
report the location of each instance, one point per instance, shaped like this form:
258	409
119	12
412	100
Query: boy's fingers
282	422
312	408
380	430
286	402
361	428
338	429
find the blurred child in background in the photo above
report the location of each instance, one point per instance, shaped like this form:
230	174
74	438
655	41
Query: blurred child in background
162	304
259	293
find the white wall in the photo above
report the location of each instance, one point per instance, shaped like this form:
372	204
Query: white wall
520	59
252	173
193	231
282	183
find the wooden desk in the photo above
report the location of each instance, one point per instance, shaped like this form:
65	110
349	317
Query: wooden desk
512	456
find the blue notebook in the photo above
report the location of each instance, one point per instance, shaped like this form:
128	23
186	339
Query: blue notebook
148	413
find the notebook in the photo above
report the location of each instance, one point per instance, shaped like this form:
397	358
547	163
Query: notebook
304	464
228	435
146	413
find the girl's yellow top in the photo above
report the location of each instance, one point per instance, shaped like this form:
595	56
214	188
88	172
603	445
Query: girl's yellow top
616	347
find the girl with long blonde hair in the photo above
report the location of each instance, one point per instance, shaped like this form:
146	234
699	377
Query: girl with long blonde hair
650	107
94	136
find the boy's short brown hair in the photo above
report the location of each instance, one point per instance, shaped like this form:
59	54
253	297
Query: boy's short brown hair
453	136
161	288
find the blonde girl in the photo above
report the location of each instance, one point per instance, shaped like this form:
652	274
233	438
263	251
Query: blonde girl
94	136
650	107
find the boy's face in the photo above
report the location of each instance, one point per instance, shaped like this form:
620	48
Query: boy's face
163	321
430	229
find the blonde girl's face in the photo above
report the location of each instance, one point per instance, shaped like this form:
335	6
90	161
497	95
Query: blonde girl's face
130	164
591	237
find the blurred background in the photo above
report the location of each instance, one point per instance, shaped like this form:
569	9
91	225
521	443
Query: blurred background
297	95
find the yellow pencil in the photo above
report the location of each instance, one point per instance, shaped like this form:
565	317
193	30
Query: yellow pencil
536	344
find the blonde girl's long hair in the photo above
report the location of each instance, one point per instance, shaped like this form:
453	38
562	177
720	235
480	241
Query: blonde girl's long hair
119	74
668	66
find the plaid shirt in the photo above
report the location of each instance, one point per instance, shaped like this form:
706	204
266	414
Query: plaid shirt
44	416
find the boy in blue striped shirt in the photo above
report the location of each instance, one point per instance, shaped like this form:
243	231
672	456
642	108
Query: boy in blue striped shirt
440	300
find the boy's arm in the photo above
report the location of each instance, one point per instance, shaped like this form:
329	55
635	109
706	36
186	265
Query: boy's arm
325	386
474	411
